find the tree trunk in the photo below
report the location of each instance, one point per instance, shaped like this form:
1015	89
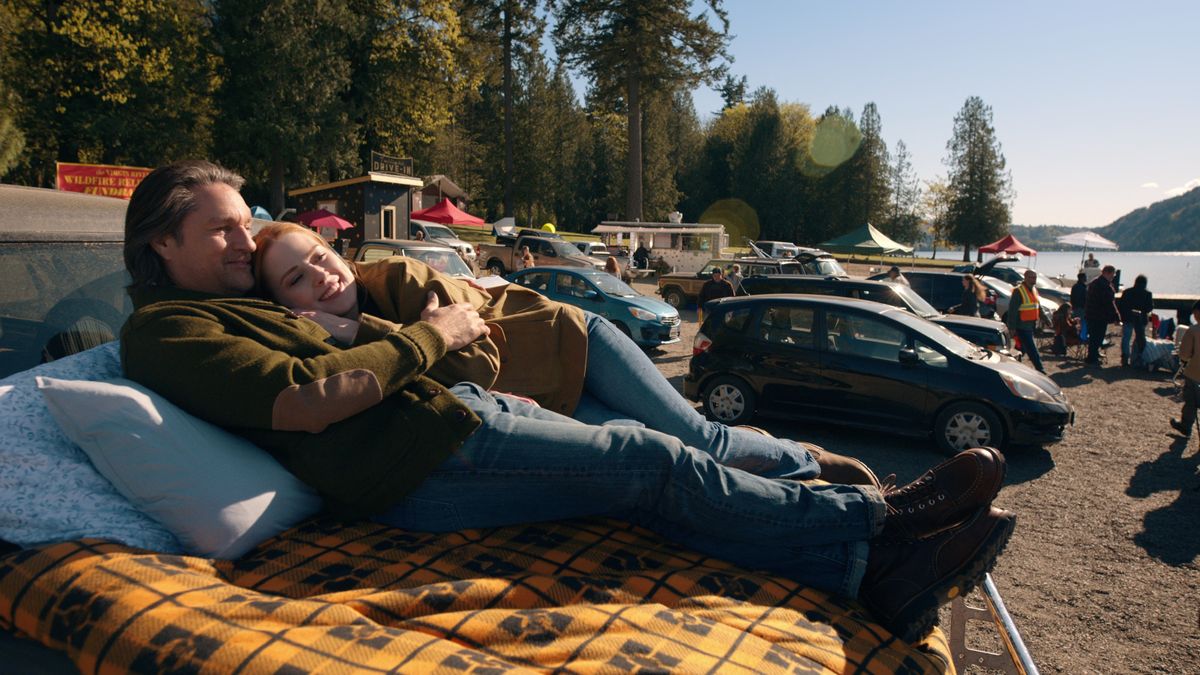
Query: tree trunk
508	110
966	253
277	204
633	160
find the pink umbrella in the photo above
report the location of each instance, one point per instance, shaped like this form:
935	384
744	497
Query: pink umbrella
322	219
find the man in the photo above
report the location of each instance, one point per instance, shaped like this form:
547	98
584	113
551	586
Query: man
735	278
367	429
1189	354
1024	310
1079	295
1135	306
1101	310
714	288
893	274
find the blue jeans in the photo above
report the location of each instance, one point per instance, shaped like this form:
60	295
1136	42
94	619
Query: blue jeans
1129	329
623	386
1030	347
527	464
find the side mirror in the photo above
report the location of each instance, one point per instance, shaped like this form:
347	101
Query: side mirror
908	356
592	295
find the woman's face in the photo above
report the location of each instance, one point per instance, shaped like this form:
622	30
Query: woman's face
305	274
966	282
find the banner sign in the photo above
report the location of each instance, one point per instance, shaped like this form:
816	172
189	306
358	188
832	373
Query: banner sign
100	179
400	166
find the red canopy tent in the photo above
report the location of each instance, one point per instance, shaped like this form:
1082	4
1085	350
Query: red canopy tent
447	213
1008	244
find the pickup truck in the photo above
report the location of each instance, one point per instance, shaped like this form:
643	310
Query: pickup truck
502	257
682	289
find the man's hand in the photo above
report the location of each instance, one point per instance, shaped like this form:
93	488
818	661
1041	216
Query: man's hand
342	329
459	324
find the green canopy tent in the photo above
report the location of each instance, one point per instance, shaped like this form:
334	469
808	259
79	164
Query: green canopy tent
866	240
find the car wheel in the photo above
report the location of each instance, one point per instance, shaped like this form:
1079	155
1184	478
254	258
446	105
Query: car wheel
729	400
968	425
496	267
623	328
674	297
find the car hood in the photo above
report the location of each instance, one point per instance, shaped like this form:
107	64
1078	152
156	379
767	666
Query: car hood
1012	366
651	305
971	321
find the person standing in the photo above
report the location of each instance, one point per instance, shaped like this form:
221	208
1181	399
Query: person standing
893	274
1101	310
1079	296
526	260
1189	354
735	278
1135	306
972	295
1024	310
716	287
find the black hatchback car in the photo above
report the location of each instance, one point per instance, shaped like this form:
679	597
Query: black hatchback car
984	332
870	365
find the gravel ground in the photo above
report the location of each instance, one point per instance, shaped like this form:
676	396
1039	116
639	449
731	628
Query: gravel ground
1101	575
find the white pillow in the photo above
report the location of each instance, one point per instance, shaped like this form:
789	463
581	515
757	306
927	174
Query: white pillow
49	490
218	493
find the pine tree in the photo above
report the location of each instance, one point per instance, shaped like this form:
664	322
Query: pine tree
979	182
628	48
902	222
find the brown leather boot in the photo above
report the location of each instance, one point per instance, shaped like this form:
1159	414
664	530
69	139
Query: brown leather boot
842	469
944	496
906	581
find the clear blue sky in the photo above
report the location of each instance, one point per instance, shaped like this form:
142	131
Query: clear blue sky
1096	104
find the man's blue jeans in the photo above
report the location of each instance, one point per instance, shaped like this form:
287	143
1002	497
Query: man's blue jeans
527	464
1025	335
623	386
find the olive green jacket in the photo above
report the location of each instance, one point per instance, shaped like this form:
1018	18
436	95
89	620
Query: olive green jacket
362	425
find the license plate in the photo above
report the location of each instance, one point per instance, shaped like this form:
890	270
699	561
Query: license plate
674	333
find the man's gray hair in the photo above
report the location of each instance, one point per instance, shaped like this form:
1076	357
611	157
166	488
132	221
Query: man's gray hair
158	206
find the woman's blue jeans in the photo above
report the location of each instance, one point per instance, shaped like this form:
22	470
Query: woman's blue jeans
623	386
527	464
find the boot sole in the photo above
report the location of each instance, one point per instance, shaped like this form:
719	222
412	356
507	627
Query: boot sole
920	616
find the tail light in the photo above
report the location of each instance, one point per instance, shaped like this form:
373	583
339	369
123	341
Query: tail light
700	344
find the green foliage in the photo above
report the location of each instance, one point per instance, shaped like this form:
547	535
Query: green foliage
119	83
902	222
979	182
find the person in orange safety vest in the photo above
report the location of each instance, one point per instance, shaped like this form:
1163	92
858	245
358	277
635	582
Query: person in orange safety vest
1024	309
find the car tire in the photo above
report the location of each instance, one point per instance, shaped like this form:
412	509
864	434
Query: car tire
675	297
729	400
962	426
496	267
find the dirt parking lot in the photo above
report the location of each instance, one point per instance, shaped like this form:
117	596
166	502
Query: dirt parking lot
1101	575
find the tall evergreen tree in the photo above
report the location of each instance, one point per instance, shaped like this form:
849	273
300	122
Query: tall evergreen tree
628	47
870	170
979	182
902	222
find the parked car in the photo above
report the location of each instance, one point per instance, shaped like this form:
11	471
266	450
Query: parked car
600	253
778	249
870	365
681	289
437	255
649	322
983	332
441	233
997	267
502	257
943	290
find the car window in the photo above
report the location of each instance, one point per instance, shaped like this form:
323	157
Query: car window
538	281
919	284
861	335
881	294
830	267
57	299
732	321
373	253
442	260
788	325
572	286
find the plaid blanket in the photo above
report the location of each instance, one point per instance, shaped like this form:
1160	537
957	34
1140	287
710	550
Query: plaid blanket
577	596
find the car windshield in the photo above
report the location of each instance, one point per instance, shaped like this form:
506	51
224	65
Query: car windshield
440	232
830	268
443	260
939	335
1003	288
612	285
564	249
914	302
1043	281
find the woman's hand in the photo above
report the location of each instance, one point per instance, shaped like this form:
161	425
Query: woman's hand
342	329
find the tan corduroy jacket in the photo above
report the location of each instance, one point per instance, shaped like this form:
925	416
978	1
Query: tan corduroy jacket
537	347
1189	350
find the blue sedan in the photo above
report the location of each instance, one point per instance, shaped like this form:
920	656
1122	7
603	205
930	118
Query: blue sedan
647	321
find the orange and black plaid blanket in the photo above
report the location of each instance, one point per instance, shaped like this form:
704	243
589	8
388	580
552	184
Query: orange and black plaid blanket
577	596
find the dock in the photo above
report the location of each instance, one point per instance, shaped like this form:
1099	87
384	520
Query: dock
1180	302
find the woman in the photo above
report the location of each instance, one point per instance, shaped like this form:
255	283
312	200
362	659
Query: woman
526	258
614	268
569	361
973	294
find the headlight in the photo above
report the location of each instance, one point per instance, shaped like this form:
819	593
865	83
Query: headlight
1025	389
642	315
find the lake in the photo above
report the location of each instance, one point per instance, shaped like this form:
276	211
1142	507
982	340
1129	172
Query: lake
1166	272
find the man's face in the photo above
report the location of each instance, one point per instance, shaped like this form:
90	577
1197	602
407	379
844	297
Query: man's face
1109	274
1030	278
211	251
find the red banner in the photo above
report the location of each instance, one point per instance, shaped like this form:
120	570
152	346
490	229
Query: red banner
100	179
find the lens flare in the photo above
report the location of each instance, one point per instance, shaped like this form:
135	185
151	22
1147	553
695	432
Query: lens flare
739	218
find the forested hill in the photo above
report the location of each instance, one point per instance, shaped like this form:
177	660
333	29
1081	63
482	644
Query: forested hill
1170	225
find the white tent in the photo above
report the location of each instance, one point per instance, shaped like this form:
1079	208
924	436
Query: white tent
1087	239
